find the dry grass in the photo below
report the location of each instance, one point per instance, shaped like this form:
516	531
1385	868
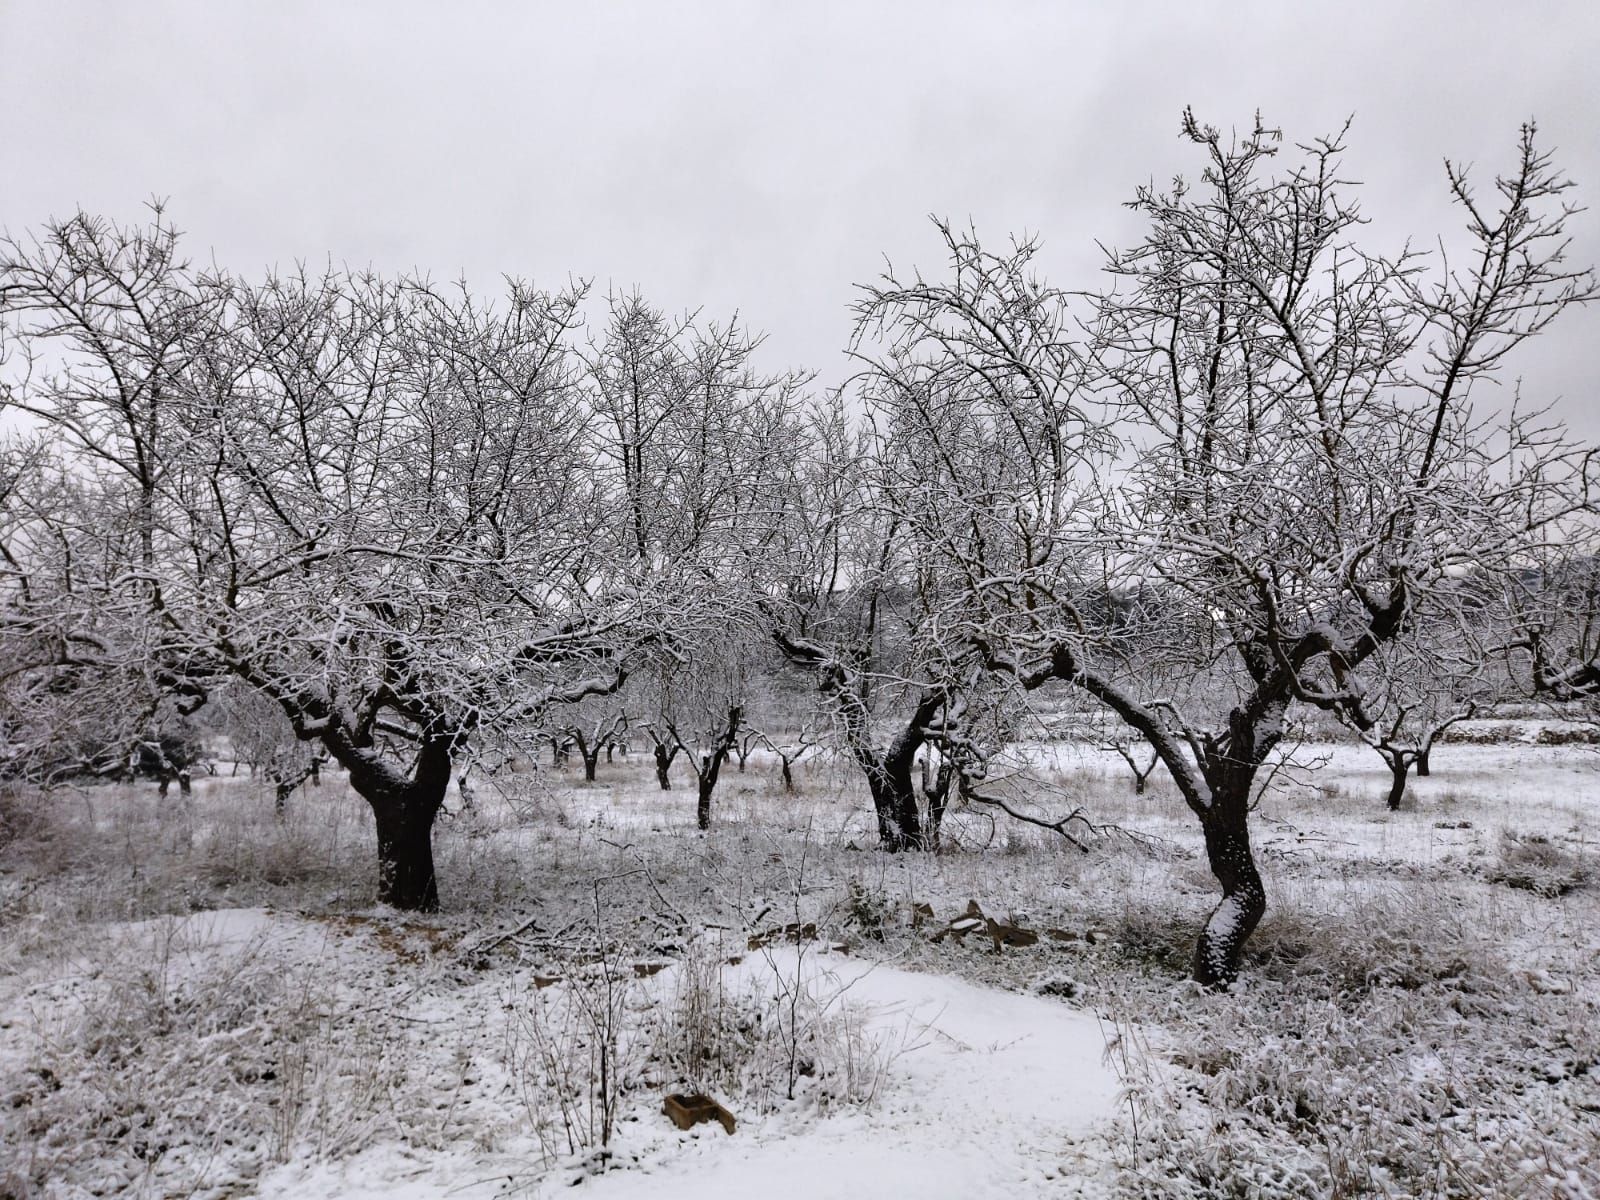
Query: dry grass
1417	1018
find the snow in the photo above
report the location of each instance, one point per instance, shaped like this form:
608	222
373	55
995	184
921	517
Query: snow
986	1091
981	1102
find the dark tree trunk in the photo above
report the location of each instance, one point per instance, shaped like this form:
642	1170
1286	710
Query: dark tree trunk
664	759
1424	768
280	797
591	763
936	787
1141	778
405	855
788	776
404	808
1244	899
1398	770
894	800
709	767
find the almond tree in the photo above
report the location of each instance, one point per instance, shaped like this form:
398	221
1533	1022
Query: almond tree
592	729
372	501
1259	440
846	609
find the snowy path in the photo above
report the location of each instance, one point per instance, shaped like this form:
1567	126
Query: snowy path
982	1100
981	1107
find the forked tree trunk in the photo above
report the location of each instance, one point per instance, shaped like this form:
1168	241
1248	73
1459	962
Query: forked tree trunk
710	765
403	807
1220	946
1424	767
664	759
591	761
405	855
894	800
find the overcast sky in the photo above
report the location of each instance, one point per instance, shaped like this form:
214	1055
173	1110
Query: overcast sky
757	156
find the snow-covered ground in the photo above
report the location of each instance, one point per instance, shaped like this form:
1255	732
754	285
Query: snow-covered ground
199	1000
983	1089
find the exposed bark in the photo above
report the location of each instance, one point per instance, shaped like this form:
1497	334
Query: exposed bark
664	752
405	857
888	770
1141	775
600	736
937	787
894	801
706	784
746	746
403	807
285	781
1399	768
788	756
1215	774
709	765
1220	946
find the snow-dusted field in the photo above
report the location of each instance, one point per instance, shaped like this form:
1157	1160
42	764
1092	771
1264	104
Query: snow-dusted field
199	1000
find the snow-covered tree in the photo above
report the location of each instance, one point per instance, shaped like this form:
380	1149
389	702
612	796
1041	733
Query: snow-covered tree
1253	463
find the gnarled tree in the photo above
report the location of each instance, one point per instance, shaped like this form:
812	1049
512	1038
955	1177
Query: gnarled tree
1258	443
370	500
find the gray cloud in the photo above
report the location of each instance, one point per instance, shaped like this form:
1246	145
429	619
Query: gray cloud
755	156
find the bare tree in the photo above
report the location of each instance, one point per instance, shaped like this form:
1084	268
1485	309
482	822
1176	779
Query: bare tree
1296	478
847	607
592	731
707	750
1141	773
372	501
790	752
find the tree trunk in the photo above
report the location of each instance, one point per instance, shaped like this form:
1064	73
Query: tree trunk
404	807
1398	769
788	776
405	854
591	762
1138	783
707	784
936	788
1244	898
894	799
1424	769
663	763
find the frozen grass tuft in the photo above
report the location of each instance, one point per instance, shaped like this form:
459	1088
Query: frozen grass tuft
1538	863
